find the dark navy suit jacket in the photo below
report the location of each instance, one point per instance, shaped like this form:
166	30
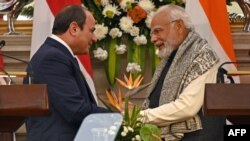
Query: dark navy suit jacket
70	98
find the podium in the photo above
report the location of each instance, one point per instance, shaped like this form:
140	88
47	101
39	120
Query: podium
18	102
231	100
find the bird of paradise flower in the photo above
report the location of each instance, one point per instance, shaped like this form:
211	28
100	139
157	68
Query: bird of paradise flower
116	101
132	118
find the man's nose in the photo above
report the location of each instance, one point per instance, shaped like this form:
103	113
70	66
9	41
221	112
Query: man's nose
153	38
94	38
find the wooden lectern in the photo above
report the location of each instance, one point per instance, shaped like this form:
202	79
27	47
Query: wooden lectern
18	102
232	100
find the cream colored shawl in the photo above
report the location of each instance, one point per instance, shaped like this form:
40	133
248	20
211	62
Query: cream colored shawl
193	58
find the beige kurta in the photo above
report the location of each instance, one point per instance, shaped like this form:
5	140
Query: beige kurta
187	105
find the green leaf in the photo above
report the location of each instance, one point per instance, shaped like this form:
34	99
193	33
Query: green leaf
134	116
136	54
126	111
28	11
139	55
130	50
112	67
155	60
95	9
150	132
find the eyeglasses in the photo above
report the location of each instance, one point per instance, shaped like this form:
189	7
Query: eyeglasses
156	31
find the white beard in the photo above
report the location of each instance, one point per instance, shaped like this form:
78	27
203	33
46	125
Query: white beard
167	50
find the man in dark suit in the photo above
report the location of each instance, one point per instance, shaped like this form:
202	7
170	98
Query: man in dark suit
70	98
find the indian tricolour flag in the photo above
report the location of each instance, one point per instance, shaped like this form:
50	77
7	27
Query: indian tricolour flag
211	21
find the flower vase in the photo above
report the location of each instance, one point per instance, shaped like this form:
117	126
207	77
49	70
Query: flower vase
112	67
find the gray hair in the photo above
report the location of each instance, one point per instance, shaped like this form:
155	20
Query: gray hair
176	12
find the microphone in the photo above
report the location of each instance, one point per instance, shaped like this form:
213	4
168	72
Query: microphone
229	74
2	44
30	75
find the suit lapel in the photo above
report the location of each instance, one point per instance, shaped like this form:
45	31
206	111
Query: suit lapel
79	76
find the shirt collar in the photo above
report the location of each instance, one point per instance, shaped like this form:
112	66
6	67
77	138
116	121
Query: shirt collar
62	42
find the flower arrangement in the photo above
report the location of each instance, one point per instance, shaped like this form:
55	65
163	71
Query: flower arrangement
123	26
133	128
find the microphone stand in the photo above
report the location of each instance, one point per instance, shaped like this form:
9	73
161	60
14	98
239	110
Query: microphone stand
222	72
30	75
9	77
2	44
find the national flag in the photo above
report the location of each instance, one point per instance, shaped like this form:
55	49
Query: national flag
43	18
1	61
211	21
44	12
2	80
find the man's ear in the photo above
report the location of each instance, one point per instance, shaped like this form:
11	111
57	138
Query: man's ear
73	28
179	25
